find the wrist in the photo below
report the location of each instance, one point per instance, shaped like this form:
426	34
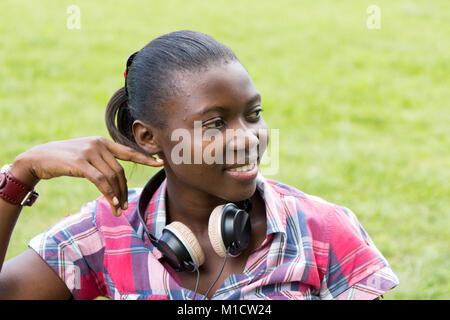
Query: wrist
22	171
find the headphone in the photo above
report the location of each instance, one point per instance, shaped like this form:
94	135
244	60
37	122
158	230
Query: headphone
229	231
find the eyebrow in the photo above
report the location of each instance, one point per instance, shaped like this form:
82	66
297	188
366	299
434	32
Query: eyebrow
252	100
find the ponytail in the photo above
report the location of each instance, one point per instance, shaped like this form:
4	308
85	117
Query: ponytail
122	133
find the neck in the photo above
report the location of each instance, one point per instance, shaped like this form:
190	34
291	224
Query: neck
189	206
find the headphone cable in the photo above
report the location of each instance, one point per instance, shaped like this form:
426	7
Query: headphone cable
196	283
220	273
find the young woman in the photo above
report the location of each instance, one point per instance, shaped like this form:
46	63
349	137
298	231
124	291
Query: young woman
287	244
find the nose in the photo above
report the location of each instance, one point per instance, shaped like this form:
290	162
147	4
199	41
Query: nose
244	143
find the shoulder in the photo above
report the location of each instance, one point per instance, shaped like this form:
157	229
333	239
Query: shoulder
324	223
102	209
107	223
102	206
289	192
77	226
313	211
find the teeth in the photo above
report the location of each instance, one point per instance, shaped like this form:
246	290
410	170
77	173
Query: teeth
243	168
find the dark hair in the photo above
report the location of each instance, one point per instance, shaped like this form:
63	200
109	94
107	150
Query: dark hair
150	79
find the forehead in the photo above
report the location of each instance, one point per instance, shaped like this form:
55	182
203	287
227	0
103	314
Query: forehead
228	85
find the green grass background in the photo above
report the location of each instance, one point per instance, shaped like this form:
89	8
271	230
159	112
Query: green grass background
363	114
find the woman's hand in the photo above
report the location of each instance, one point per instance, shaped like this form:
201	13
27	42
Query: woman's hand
93	158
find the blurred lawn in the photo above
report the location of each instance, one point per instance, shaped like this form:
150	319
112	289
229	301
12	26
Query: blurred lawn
363	114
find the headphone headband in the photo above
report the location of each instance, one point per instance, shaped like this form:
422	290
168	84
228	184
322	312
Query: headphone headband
144	199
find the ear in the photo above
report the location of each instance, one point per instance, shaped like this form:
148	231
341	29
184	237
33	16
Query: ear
146	137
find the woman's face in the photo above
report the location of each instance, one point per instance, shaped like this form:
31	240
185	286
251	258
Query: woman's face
214	124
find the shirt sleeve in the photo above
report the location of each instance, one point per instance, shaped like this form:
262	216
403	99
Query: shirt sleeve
356	268
73	248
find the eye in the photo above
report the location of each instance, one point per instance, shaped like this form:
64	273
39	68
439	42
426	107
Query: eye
215	124
255	114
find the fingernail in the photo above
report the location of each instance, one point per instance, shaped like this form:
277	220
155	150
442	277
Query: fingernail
119	212
159	160
125	205
115	201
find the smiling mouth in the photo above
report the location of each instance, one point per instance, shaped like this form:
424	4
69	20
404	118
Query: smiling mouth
243	168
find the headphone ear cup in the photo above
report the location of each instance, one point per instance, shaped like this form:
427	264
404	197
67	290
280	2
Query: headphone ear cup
241	232
229	229
190	242
215	231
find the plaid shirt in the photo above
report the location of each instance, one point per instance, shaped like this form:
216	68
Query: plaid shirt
313	250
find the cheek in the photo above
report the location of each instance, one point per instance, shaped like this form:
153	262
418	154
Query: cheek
213	148
189	155
263	136
201	177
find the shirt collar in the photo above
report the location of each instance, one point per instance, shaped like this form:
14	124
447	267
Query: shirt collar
155	216
275	208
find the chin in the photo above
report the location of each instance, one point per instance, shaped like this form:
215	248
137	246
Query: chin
241	193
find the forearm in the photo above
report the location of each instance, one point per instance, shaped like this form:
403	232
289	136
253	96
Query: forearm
9	212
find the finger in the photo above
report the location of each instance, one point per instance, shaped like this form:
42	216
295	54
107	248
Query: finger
129	154
98	178
111	176
118	169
